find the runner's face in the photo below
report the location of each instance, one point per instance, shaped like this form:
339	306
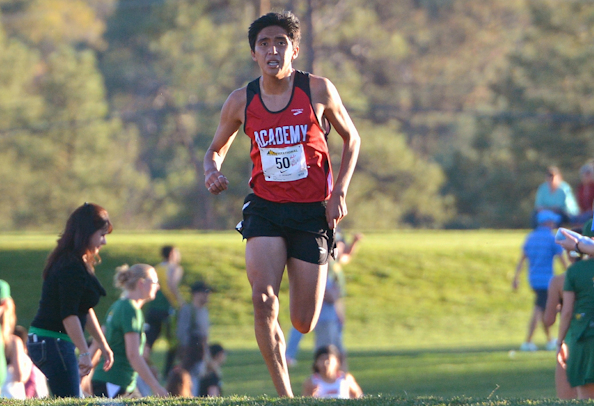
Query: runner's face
274	52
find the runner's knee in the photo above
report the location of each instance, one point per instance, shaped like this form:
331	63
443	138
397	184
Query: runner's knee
265	305
303	324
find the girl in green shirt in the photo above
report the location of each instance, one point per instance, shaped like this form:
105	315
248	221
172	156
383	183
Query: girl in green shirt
124	332
576	329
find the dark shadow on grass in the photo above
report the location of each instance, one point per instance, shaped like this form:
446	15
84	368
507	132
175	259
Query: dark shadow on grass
416	352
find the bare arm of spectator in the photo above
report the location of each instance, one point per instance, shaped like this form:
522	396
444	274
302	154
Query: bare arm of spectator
519	268
132	342
566	313
583	244
349	249
553	300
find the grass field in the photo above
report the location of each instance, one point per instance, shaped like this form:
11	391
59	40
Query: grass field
430	314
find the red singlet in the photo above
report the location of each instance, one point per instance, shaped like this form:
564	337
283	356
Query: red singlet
289	149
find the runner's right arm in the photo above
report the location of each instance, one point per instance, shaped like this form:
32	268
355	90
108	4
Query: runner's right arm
230	121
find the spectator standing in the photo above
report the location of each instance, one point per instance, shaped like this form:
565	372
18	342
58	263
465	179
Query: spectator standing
161	312
124	330
69	293
586	192
192	333
554	306
556	195
576	328
540	250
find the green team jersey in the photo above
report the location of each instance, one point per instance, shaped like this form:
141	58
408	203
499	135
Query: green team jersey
4	294
122	317
579	279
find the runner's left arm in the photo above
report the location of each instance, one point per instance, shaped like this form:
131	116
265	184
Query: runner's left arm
325	93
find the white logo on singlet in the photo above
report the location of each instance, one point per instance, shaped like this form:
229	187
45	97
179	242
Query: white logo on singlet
285	135
296	112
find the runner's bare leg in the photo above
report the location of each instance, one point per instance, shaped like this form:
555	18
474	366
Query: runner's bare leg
265	259
307	283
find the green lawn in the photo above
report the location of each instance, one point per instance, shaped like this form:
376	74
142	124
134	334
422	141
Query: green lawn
429	313
413	373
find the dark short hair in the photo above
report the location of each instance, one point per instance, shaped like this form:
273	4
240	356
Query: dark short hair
286	20
166	251
215	349
325	350
200	286
553	170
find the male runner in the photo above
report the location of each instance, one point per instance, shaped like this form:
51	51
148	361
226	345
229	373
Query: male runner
289	218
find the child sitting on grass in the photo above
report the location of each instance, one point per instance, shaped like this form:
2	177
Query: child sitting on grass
328	381
179	383
211	384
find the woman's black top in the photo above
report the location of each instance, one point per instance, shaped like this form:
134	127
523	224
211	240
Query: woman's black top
69	289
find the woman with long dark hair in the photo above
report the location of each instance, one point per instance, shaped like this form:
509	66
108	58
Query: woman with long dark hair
69	293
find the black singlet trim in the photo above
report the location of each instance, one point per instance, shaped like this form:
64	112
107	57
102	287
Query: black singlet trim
259	93
301	81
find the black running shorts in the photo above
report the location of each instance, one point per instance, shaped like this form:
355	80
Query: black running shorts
302	225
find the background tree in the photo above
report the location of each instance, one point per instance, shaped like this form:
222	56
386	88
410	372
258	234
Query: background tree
461	104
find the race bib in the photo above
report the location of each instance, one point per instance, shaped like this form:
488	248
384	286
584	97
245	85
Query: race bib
284	164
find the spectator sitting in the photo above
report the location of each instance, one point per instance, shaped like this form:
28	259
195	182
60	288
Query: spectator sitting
328	381
35	383
18	363
179	382
6	325
556	195
211	384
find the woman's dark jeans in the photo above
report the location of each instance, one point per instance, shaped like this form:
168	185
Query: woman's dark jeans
57	360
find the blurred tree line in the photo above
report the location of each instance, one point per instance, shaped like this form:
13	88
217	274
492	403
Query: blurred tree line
461	105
